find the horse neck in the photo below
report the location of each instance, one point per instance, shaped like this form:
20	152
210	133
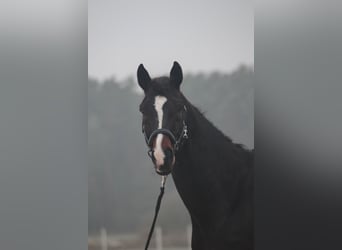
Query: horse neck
197	171
204	136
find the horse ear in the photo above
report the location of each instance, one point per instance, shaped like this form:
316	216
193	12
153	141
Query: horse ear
176	75
143	77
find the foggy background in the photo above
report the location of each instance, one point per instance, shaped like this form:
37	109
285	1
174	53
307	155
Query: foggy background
203	36
213	42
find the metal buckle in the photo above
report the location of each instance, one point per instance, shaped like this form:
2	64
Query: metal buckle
185	135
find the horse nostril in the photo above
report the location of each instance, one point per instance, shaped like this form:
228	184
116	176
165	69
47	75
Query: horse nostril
169	157
168	153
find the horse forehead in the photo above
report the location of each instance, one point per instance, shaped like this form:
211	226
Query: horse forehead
159	102
160	99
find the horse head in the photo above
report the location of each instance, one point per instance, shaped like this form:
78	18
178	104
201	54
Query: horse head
163	116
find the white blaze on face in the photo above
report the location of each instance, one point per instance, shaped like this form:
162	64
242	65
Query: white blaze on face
159	155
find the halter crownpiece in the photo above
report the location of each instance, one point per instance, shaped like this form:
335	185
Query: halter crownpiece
176	142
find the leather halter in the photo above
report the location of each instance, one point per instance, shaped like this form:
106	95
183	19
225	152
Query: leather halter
175	141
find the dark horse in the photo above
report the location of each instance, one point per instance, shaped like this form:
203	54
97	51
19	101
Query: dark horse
213	175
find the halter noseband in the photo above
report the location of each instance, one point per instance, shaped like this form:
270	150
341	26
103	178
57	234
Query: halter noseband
176	141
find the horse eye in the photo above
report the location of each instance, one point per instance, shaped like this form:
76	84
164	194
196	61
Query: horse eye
142	108
148	121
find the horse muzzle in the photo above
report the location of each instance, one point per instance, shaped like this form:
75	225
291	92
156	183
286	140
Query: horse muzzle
163	154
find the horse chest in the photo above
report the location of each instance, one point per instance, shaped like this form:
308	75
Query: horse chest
203	198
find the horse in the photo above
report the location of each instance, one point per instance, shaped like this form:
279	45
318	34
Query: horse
213	175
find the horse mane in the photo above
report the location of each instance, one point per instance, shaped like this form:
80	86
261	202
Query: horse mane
227	142
201	113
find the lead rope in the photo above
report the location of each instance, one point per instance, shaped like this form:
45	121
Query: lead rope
162	187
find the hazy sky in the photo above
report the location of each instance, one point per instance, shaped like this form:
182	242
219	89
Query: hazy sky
200	35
